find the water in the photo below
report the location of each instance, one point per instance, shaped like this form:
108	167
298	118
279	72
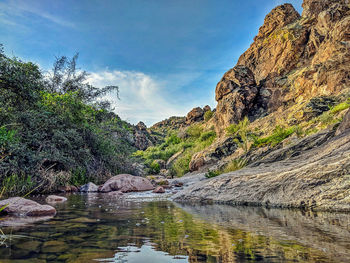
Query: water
96	228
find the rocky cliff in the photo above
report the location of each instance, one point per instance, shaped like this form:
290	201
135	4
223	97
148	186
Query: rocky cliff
297	68
292	59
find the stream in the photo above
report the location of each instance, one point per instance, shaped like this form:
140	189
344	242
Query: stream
98	228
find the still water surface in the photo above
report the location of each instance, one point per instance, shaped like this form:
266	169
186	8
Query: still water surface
95	228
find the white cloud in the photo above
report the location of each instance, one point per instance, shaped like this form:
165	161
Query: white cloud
142	98
10	10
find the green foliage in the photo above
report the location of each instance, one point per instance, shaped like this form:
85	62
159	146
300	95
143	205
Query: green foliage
340	107
196	140
56	125
279	134
208	115
16	183
155	167
212	174
209	135
241	132
78	177
194	131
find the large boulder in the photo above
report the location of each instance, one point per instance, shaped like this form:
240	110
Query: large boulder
126	183
23	207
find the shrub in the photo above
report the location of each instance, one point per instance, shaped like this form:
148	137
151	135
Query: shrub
194	131
241	132
278	135
208	115
207	135
212	174
155	168
340	107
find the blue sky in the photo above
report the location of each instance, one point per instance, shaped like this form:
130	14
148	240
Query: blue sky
165	55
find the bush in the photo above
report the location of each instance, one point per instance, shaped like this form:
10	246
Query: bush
208	115
56	125
194	131
155	168
279	134
340	107
209	135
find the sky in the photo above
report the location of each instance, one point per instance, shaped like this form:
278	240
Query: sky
166	56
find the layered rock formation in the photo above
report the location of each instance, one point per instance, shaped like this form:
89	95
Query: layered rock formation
292	59
317	179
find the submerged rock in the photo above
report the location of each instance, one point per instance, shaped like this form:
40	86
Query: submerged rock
23	207
55	199
126	183
89	187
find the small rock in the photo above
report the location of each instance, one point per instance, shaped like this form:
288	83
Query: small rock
89	187
55	199
159	190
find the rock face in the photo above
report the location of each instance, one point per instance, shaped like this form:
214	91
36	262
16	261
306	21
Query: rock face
235	94
292	59
220	149
141	137
55	199
23	207
316	179
89	187
345	124
126	183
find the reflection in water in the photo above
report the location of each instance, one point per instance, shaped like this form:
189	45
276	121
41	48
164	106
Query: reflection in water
94	227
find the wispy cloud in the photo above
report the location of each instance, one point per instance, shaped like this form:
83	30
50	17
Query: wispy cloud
11	10
142	97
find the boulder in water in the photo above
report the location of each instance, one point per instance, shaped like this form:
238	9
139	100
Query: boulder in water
126	183
23	207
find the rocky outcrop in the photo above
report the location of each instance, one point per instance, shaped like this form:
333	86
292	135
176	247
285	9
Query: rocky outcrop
195	115
276	48
236	94
292	59
19	206
126	183
142	137
317	179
